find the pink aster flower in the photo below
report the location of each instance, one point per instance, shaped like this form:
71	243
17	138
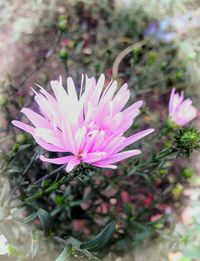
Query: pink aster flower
181	111
89	128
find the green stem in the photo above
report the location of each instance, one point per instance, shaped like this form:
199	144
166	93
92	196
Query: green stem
55	185
154	162
49	175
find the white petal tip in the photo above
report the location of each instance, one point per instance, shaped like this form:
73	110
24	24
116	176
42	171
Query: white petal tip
42	158
151	130
69	169
137	152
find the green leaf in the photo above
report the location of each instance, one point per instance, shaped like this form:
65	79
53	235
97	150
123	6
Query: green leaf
76	249
24	147
64	256
30	218
45	220
101	239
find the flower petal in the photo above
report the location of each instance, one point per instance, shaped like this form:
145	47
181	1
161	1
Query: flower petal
36	119
72	163
94	156
58	161
137	136
120	156
24	126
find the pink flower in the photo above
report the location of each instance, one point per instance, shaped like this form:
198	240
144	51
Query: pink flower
90	128
181	111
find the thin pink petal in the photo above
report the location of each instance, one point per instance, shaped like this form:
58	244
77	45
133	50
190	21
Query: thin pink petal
58	161
98	89
137	136
101	165
71	90
49	136
94	156
120	156
72	163
68	137
48	146
24	126
36	118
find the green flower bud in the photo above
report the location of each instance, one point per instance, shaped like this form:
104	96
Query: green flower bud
62	18
63	54
15	147
163	172
187	172
187	140
158	225
62	23
3	100
137	51
11	250
179	75
21	138
152	58
177	191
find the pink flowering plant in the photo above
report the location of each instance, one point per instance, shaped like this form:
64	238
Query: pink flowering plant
96	163
93	131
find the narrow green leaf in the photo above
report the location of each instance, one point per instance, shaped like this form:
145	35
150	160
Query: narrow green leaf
30	218
45	220
64	256
24	147
101	239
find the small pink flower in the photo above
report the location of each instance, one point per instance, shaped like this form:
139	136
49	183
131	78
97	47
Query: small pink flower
181	111
90	128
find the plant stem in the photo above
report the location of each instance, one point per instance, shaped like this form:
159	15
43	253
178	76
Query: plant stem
121	56
49	175
55	185
154	162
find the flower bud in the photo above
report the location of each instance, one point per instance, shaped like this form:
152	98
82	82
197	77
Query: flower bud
163	172
187	172
63	54
137	51
152	58
21	138
15	147
188	140
177	191
62	23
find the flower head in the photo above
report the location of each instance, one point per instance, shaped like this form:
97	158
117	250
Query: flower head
181	111
89	128
188	139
